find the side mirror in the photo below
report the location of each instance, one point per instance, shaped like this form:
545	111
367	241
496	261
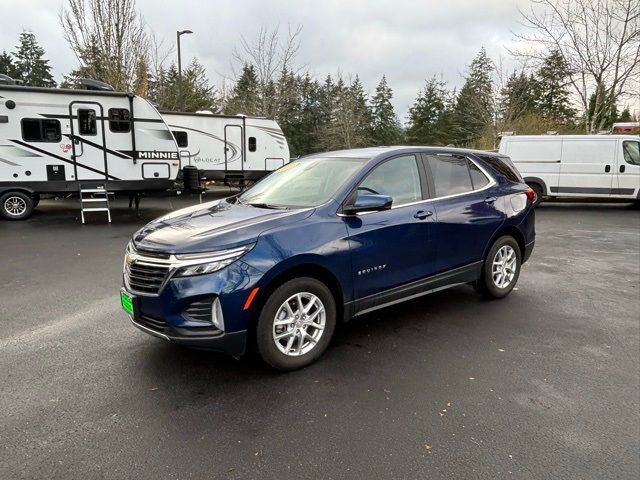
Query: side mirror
369	203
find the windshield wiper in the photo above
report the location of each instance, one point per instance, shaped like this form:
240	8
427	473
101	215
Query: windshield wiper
266	205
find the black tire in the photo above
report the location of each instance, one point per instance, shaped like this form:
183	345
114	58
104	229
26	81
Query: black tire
266	343
36	199
16	206
486	285
538	191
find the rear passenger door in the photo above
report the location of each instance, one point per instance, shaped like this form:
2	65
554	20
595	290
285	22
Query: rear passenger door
467	209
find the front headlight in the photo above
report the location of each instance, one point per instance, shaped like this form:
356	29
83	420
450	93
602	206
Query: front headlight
208	262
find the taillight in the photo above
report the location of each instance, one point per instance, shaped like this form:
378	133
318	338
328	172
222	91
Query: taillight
531	195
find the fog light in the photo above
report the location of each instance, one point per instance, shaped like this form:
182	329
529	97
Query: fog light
217	318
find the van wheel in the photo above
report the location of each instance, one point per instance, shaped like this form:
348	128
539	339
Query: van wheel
501	269
296	324
16	206
538	191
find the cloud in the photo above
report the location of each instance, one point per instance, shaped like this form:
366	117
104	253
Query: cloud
407	40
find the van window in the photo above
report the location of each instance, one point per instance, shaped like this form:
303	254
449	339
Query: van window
87	122
40	130
119	120
182	139
252	144
631	150
450	175
397	178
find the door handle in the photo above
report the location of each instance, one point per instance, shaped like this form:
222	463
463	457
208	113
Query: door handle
607	168
421	214
622	168
490	200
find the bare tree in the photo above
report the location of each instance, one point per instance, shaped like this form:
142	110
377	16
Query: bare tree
271	56
109	38
600	43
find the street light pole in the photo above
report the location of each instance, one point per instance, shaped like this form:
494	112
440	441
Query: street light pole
180	97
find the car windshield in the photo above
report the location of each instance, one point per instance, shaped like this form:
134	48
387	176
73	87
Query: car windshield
302	183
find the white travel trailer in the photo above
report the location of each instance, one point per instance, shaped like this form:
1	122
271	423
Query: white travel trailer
59	140
228	148
596	166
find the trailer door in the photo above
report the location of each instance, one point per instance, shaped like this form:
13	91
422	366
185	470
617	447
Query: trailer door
88	142
233	148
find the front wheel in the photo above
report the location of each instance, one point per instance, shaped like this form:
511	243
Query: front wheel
16	206
296	324
501	269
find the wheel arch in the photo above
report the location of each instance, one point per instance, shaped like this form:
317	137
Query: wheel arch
21	189
505	230
307	269
538	181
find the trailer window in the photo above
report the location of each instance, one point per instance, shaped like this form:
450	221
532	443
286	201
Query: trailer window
40	130
182	139
252	144
87	122
119	120
631	152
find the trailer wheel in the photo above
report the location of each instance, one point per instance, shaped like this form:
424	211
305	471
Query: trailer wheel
16	206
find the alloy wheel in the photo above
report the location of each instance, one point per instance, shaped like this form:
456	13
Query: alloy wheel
299	323
15	206
504	266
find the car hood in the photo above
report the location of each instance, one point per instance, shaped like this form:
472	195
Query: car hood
210	226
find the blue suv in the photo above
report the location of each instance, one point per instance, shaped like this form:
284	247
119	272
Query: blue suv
324	239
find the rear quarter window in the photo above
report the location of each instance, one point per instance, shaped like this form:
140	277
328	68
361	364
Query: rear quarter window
504	166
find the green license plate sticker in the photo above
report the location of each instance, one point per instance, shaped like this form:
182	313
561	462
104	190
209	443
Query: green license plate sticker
127	303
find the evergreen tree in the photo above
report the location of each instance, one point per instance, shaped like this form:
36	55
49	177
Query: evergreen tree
625	116
430	117
554	97
244	97
474	109
6	65
385	127
196	91
519	97
30	66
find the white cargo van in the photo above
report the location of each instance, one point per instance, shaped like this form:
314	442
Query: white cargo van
595	166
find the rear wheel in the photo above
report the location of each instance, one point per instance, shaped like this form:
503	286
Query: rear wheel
501	269
16	206
296	324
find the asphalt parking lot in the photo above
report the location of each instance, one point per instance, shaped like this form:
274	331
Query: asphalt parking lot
543	384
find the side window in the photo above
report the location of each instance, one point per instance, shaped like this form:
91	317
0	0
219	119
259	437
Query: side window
87	122
119	120
478	179
182	139
252	144
398	178
450	175
40	130
504	166
631	151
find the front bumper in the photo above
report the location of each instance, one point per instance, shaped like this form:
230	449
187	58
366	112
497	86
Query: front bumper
231	343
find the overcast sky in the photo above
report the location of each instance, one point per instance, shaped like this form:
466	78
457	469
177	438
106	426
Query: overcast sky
408	40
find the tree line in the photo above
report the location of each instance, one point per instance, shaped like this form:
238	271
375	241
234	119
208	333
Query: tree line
112	44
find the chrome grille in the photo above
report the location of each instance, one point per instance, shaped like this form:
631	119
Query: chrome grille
145	275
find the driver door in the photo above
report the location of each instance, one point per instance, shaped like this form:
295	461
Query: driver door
392	247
